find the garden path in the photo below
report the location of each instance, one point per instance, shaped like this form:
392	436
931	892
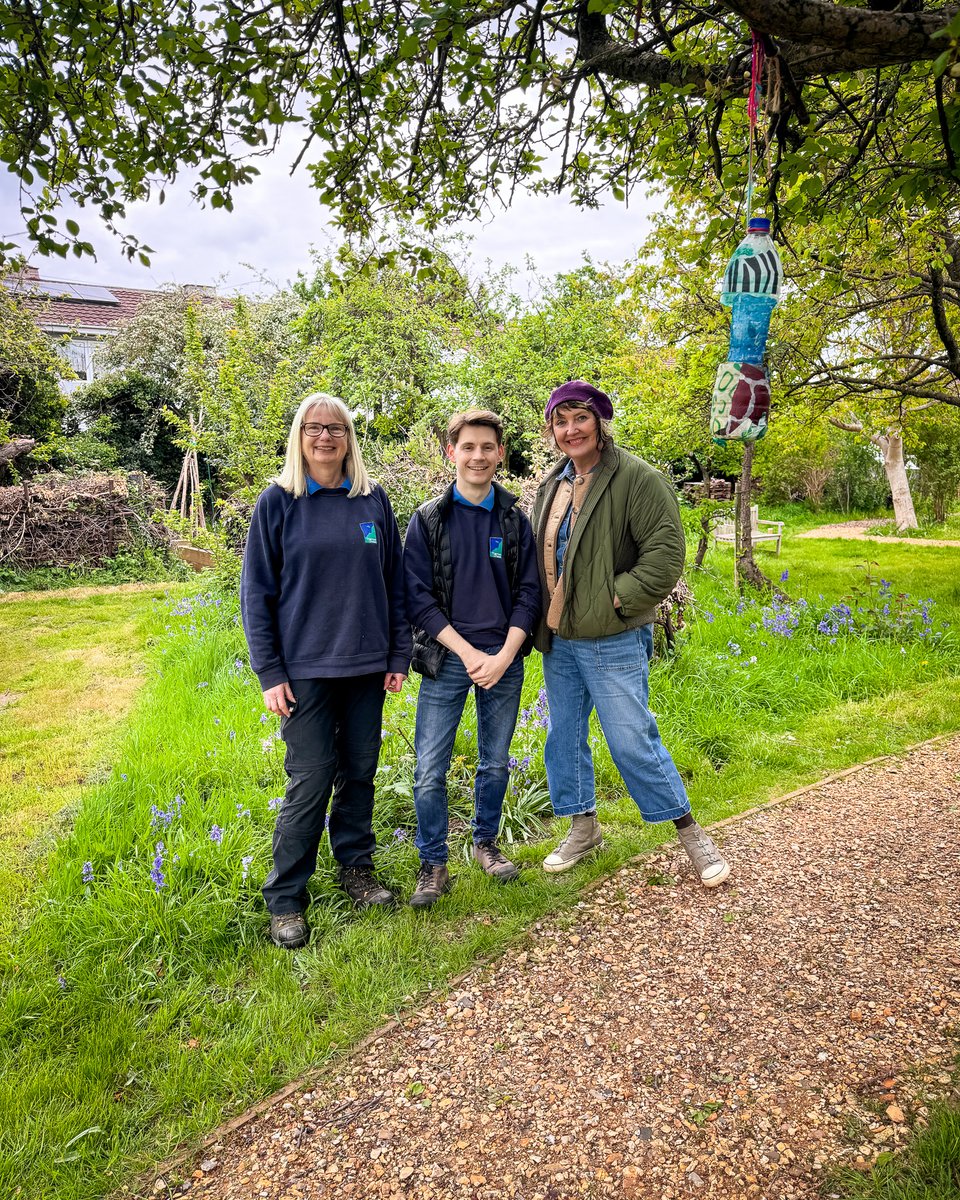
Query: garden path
662	1041
857	530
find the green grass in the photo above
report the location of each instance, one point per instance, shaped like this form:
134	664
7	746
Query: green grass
134	1017
73	663
928	1169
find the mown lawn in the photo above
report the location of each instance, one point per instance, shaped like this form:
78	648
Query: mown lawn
73	663
143	1001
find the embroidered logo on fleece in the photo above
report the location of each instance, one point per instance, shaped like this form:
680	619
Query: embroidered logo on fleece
496	547
369	531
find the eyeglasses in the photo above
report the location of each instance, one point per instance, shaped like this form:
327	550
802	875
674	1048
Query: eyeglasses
315	428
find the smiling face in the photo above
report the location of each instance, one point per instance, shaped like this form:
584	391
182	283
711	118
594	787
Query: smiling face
576	432
476	455
323	454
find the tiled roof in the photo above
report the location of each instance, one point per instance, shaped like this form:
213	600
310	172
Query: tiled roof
79	306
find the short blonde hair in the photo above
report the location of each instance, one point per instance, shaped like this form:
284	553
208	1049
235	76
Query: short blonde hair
293	474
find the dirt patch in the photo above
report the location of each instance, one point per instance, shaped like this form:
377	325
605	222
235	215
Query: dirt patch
82	593
857	531
8	698
666	1042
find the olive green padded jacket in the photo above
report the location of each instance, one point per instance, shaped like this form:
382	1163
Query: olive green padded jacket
627	541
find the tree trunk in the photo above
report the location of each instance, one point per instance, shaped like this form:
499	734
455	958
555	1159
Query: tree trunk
746	570
10	450
891	444
707	517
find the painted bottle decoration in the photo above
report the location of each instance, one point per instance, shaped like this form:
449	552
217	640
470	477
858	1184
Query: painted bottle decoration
751	287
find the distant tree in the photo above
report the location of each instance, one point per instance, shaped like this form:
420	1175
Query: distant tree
31	403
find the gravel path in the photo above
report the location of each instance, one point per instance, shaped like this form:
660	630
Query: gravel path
662	1041
857	530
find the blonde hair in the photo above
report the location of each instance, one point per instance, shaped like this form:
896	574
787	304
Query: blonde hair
604	427
293	474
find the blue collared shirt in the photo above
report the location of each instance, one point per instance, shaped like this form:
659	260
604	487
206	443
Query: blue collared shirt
487	502
313	486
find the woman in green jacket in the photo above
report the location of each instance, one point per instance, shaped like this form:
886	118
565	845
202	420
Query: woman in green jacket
610	547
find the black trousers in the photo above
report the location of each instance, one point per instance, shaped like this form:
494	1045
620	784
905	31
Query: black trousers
333	745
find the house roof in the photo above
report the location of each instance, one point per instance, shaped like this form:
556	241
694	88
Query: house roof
61	306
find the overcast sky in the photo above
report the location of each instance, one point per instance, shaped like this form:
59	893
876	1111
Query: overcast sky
278	219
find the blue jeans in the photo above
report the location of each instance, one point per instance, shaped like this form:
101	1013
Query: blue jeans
612	675
333	744
439	708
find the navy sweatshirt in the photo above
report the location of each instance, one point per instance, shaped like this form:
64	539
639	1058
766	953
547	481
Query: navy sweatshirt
483	609
321	593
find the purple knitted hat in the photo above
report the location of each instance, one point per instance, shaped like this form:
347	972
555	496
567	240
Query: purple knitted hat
579	392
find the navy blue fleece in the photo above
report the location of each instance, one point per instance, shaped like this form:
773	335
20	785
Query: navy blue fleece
483	609
321	594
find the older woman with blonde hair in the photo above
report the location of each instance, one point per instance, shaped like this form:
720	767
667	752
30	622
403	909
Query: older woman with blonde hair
322	602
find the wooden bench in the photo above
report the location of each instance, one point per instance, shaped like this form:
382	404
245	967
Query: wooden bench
760	531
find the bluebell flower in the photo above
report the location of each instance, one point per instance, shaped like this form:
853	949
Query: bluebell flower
87	872
245	864
156	874
216	834
784	576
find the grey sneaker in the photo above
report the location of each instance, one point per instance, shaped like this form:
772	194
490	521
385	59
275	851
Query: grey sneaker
702	851
584	837
433	880
494	862
289	931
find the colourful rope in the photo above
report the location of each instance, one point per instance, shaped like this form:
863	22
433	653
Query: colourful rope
753	107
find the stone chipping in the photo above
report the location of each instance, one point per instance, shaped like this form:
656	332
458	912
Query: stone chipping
660	1041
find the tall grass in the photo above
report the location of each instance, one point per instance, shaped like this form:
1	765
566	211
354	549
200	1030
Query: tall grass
143	1001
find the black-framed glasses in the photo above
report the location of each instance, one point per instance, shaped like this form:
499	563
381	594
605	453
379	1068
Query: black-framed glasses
315	428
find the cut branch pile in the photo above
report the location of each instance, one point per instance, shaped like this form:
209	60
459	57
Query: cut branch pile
61	521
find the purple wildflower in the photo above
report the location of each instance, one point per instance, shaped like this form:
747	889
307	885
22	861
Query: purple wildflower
245	863
275	804
87	872
156	874
784	576
216	834
400	835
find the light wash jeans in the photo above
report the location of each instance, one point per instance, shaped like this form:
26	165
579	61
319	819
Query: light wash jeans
610	674
439	708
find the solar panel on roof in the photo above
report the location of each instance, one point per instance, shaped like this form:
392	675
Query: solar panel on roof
91	293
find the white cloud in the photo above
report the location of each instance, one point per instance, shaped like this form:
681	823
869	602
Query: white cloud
277	220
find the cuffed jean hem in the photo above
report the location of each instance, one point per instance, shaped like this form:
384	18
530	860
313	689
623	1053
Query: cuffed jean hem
611	675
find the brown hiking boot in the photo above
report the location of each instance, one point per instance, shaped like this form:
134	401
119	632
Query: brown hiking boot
584	837
363	887
433	879
289	931
494	862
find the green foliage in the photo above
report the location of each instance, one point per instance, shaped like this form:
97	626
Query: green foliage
387	336
139	564
149	1008
31	403
117	421
934	444
441	112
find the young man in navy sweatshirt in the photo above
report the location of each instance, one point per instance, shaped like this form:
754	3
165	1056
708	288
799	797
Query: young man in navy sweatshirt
473	598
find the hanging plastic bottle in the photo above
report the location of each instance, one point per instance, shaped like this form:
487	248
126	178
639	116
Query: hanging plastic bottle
751	287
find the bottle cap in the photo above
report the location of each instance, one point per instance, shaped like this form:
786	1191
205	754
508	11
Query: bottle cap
758	225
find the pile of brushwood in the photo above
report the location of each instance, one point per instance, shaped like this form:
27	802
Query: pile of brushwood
78	521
